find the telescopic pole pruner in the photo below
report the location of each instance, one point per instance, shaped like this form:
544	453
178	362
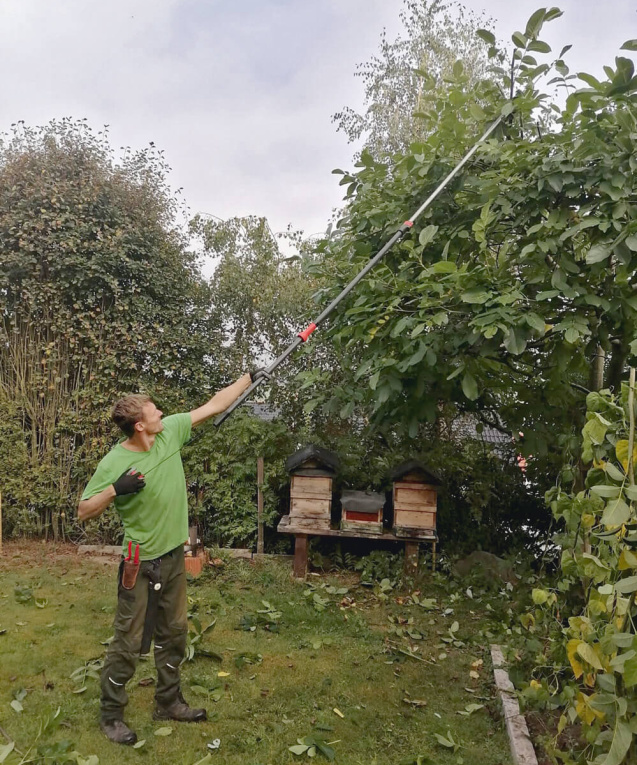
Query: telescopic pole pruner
303	336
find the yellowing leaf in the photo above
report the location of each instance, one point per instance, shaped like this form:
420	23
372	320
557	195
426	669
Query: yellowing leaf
588	654
621	452
576	665
474	674
627	559
223	674
585	711
338	713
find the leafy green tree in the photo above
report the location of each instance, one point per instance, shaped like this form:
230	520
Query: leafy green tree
99	296
519	275
400	80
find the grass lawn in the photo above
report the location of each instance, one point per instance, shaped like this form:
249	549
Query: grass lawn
315	650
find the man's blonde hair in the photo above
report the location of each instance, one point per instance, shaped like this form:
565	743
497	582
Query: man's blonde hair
128	410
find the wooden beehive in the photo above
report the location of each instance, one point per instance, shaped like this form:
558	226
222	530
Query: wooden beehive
415	500
311	469
362	511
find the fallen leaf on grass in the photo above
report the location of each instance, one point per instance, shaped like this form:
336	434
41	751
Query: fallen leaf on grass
470	709
16	706
416	702
139	744
146	681
223	674
338	712
474	674
5	751
163	731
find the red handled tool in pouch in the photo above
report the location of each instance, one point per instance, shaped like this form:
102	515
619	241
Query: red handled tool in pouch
131	567
404	229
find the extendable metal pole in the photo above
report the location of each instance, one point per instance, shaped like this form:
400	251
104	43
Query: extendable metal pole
406	226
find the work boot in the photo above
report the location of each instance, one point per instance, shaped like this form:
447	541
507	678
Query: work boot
180	711
118	732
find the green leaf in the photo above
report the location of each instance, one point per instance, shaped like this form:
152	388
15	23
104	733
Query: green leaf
514	341
17	706
588	654
427	234
626	585
167	731
597	254
139	744
487	36
608	492
470	386
477	296
622	739
519	40
535	322
539	597
630	670
534	24
616	513
444	267
629	45
298	749
614	472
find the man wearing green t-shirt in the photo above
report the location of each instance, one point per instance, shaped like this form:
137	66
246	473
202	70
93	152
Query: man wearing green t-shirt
143	476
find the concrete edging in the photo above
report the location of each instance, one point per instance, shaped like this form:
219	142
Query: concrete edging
522	749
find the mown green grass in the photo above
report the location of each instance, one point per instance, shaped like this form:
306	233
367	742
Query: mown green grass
317	661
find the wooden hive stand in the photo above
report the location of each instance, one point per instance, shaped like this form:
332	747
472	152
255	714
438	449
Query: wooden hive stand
311	472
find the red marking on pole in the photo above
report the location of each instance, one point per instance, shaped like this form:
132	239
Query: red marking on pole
409	223
307	332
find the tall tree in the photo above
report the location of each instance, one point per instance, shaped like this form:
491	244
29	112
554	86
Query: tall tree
521	270
399	81
99	296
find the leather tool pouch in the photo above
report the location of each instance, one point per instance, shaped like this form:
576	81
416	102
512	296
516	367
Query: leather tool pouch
129	574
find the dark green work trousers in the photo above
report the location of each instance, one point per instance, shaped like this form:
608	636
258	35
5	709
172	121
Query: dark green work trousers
170	634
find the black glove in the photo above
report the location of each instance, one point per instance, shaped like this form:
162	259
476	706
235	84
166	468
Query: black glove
129	482
257	374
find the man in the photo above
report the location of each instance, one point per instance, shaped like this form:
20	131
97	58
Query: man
144	477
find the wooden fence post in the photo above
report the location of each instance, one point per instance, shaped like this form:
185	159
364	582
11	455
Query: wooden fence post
259	505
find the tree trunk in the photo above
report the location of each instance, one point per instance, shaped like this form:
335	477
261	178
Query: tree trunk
616	366
596	379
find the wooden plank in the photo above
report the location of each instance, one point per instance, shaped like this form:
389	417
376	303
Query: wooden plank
418	520
410	566
300	556
310	506
405	484
416	496
371	528
306	486
259	505
311	523
287	526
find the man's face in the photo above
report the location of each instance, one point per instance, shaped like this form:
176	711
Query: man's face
151	419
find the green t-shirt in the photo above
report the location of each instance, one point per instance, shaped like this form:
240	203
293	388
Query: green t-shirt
156	517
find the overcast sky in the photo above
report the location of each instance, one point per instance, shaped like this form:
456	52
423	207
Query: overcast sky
239	93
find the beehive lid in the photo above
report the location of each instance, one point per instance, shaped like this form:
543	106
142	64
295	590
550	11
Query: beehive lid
362	501
413	466
312	460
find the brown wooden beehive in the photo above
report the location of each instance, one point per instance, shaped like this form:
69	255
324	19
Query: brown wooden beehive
415	500
311	469
362	511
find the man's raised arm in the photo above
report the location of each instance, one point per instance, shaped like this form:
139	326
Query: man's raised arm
220	401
